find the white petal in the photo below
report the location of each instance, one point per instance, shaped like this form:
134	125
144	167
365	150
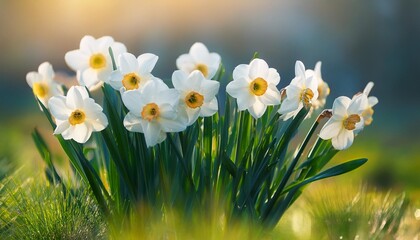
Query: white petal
116	80
331	129
192	113
358	104
128	63
77	60
238	87
152	132
132	122
98	122
241	71
61	127
209	109
33	77
134	101
300	69
199	52
195	79
74	99
87	44
271	96
46	70
293	92
58	108
273	76
169	96
288	105
372	101
317	70
340	106
82	132
103	43
147	62
213	64
185	63
88	78
368	88
172	125
343	140
209	88
257	109
118	49
258	68
180	80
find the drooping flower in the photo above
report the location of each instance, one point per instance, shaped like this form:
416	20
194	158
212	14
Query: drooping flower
133	73
77	115
254	87
197	94
323	89
345	121
199	58
153	111
301	92
372	101
92	60
42	83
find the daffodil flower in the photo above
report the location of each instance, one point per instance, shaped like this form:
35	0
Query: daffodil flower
92	61
254	87
77	115
199	58
153	110
372	101
198	95
42	83
345	121
132	72
301	92
323	89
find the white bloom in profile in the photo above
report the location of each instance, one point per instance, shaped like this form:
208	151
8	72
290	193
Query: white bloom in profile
254	87
199	58
77	115
42	83
198	95
345	121
372	101
323	88
92	60
153	111
301	92
132	72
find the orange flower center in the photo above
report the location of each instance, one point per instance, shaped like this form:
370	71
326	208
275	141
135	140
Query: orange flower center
150	111
350	122
40	90
203	69
306	96
258	87
131	81
97	61
77	117
194	99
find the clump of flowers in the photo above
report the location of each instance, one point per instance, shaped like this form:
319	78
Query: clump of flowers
185	147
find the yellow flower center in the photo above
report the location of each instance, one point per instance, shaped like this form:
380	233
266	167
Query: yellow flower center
131	81
77	117
97	61
258	87
350	122
194	100
203	69
367	116
306	96
150	111
40	90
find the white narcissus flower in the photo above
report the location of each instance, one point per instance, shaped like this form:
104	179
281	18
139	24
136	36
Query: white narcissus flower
301	92
372	101
345	121
42	83
199	58
323	89
254	87
132	72
153	111
198	95
77	115
92	60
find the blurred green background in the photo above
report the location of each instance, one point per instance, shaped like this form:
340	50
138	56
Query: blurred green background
357	41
